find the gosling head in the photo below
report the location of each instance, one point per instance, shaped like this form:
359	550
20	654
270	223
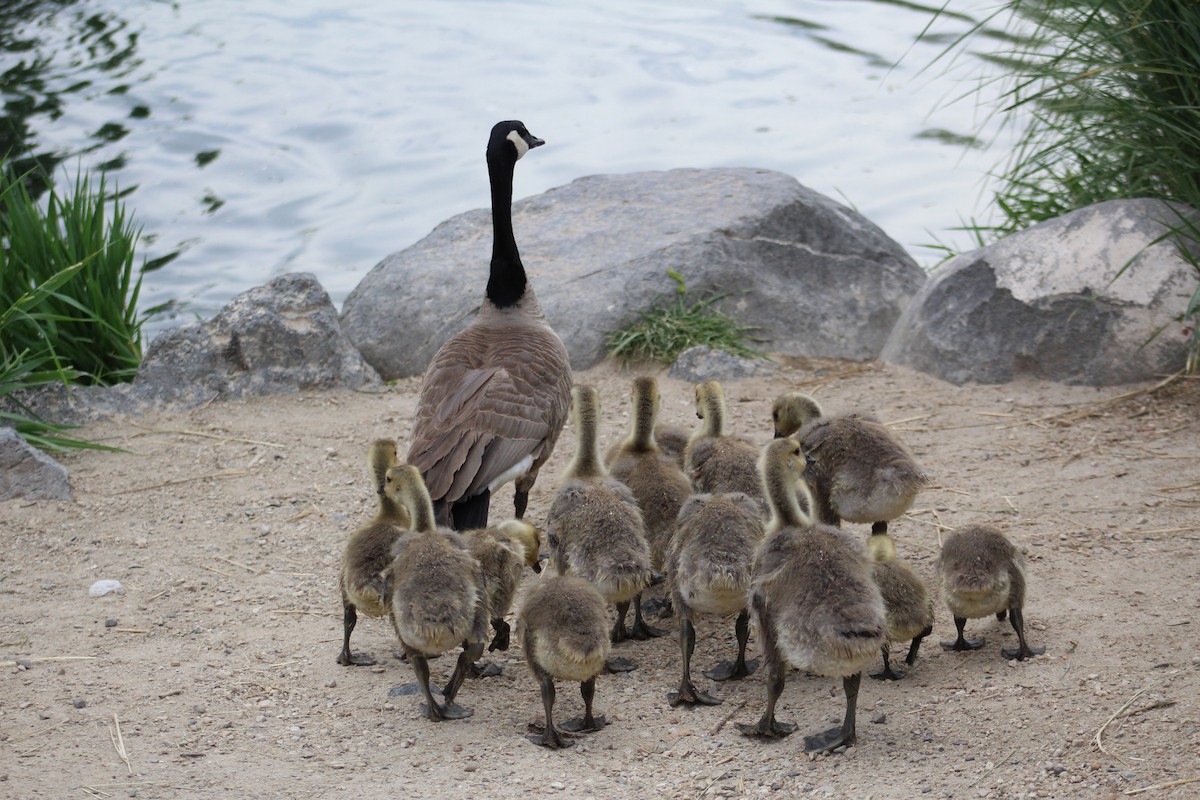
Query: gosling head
528	537
792	411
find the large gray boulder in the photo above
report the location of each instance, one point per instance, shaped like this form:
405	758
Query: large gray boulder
275	339
812	276
1047	302
27	472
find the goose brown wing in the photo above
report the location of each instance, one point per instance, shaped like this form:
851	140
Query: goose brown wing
480	428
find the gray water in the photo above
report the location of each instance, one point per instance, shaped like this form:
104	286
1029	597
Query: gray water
264	137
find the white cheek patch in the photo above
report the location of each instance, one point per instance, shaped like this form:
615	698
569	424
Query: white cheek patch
519	143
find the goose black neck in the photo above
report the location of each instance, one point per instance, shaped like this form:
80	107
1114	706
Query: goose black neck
506	283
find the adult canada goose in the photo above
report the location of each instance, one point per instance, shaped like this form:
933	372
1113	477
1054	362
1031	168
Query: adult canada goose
503	552
657	482
859	471
906	599
435	595
813	599
715	461
594	527
494	398
368	553
564	633
982	573
708	569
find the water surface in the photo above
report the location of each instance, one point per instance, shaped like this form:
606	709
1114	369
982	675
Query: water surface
257	138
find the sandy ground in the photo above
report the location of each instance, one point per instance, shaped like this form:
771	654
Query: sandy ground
226	526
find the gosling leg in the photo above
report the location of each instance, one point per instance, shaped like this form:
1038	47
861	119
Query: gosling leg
845	735
346	658
1017	618
961	643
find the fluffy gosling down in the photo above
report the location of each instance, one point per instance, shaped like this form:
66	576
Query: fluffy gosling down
503	551
435	594
859	470
813	600
656	480
708	570
714	460
983	573
564	632
594	527
368	553
906	601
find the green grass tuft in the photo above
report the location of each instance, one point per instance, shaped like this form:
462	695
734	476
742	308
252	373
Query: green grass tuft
68	296
665	330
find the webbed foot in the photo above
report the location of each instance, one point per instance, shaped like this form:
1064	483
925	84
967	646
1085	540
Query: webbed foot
549	737
642	631
484	671
829	740
731	670
347	659
767	728
888	674
619	664
501	639
1021	653
448	710
585	724
689	695
963	644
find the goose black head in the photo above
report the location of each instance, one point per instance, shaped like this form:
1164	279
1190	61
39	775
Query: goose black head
510	140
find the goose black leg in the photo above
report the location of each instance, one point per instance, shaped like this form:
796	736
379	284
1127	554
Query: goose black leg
688	693
471	512
550	737
768	726
736	670
640	629
346	658
845	735
430	708
961	643
888	674
916	645
587	723
501	640
1024	651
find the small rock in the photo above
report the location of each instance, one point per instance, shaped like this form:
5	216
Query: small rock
703	363
879	717
107	586
331	684
79	702
110	623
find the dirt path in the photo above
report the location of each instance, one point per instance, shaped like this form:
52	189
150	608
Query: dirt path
225	525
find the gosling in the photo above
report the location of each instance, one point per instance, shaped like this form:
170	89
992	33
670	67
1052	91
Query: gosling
714	460
813	599
503	550
906	599
368	553
435	593
859	471
594	528
708	570
983	573
657	481
564	633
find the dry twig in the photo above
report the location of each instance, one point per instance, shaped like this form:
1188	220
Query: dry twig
726	718
1167	785
119	743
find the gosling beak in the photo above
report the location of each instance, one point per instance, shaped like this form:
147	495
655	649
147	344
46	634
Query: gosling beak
778	435
537	567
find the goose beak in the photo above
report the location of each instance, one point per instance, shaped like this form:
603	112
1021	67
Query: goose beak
534	141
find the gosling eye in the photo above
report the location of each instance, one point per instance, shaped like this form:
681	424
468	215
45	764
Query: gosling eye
775	416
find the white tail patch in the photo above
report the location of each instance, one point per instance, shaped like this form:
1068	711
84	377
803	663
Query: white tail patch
516	470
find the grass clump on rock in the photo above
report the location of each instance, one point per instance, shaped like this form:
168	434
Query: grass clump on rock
665	330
